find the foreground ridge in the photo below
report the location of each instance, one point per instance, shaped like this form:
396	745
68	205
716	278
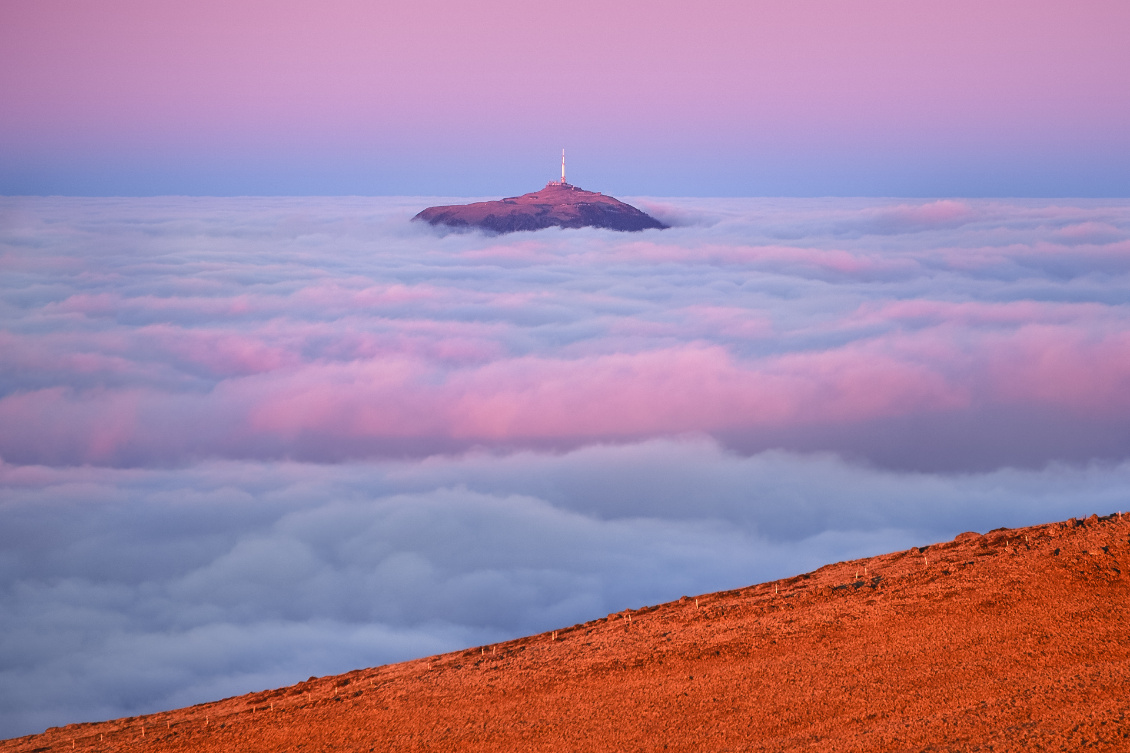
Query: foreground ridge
1012	640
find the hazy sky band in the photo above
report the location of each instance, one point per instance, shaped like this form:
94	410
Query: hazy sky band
805	98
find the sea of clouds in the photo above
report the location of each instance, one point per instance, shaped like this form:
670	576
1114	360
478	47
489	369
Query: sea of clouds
246	441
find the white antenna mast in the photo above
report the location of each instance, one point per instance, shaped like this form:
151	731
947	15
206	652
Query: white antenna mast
562	167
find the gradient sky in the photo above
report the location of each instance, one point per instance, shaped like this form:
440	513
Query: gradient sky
247	440
813	97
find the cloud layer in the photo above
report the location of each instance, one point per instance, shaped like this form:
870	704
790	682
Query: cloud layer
159	332
247	441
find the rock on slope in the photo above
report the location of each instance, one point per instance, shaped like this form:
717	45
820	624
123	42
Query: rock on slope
1014	640
556	205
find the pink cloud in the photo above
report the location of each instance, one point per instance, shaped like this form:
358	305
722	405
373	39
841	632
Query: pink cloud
1088	232
98	304
783	257
54	355
974	313
915	217
57	425
341	294
1085	371
221	353
687	388
528	252
106	305
727	321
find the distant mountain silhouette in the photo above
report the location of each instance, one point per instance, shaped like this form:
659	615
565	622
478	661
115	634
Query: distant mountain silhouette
559	204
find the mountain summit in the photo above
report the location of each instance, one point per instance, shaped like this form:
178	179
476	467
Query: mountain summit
559	204
556	205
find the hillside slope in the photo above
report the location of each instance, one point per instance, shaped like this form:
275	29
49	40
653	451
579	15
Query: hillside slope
1015	640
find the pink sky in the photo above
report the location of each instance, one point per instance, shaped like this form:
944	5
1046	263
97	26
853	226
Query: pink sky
470	96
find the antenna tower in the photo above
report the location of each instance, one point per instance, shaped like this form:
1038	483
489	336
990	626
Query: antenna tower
563	167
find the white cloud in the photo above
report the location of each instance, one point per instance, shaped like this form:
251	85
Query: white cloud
133	590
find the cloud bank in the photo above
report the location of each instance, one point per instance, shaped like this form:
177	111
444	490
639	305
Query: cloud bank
156	332
247	441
